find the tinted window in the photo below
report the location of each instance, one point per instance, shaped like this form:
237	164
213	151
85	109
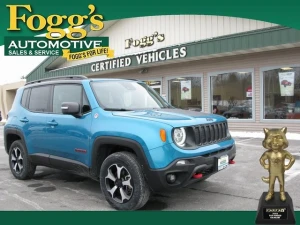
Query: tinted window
39	99
65	93
231	94
24	97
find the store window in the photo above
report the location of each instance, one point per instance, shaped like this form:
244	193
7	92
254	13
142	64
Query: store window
281	93
185	93
231	95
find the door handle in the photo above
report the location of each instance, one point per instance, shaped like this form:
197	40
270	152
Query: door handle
52	123
24	120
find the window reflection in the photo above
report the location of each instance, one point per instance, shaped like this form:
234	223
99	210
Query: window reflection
185	93
281	98
232	95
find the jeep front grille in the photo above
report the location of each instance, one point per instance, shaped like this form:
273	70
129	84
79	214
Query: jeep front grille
210	133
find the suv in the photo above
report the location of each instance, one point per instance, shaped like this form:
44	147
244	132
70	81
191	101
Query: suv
116	131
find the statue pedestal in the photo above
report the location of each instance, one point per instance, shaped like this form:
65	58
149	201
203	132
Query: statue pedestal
275	211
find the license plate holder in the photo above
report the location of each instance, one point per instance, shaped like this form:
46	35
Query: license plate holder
222	162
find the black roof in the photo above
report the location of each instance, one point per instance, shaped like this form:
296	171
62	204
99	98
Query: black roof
67	79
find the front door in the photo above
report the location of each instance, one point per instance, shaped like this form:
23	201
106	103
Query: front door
68	136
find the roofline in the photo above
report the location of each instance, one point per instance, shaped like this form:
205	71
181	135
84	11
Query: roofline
86	27
205	41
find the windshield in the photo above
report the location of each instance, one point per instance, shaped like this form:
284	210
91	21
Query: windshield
127	95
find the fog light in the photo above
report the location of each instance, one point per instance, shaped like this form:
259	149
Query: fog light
171	178
181	162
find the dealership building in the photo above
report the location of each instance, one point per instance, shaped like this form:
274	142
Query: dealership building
249	70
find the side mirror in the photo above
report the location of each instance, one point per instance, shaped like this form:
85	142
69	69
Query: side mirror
71	108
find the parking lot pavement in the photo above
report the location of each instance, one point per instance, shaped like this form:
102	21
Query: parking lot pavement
237	187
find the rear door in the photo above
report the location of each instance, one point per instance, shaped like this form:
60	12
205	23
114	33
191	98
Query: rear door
34	117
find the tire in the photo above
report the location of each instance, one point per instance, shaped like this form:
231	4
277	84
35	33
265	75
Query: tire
19	163
132	183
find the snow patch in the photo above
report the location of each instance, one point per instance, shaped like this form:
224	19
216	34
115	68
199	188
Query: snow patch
289	136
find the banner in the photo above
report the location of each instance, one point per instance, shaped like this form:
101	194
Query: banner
287	83
88	53
186	90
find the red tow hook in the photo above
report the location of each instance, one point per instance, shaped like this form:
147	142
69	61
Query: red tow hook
231	161
197	175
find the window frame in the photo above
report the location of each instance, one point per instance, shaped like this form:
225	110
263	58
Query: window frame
81	98
49	99
168	92
216	73
27	98
261	94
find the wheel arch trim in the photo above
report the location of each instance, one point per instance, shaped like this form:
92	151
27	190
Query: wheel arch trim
129	143
14	131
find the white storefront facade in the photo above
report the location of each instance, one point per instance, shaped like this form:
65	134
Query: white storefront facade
249	70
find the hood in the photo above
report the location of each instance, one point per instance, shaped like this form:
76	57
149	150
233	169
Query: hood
173	117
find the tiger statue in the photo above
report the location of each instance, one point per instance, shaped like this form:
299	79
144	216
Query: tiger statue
275	141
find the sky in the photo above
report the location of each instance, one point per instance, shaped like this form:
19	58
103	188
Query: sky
14	67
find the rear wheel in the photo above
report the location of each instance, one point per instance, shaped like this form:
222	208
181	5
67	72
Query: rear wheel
122	182
19	163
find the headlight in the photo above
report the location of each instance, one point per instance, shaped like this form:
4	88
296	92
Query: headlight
179	136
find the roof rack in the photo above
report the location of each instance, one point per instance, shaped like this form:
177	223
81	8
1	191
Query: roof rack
75	77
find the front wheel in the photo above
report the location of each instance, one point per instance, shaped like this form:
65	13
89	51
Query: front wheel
122	182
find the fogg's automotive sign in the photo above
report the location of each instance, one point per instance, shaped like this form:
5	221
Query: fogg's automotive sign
57	40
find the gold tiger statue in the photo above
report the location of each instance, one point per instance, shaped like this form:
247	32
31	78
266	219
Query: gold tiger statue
275	141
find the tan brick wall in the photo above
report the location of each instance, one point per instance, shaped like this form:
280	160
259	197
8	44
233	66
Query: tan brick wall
7	95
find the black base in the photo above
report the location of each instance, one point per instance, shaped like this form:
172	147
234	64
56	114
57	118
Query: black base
275	211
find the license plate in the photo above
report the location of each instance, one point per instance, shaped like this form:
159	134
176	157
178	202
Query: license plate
222	162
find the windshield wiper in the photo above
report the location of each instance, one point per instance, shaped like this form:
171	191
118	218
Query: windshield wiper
116	109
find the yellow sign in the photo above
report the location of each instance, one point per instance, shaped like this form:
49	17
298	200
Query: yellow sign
88	53
53	22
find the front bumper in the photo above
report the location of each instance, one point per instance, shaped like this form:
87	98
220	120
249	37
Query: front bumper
205	165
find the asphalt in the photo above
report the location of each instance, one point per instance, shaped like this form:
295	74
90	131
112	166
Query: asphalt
236	188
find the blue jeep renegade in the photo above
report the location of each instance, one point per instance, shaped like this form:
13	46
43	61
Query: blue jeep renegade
119	132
